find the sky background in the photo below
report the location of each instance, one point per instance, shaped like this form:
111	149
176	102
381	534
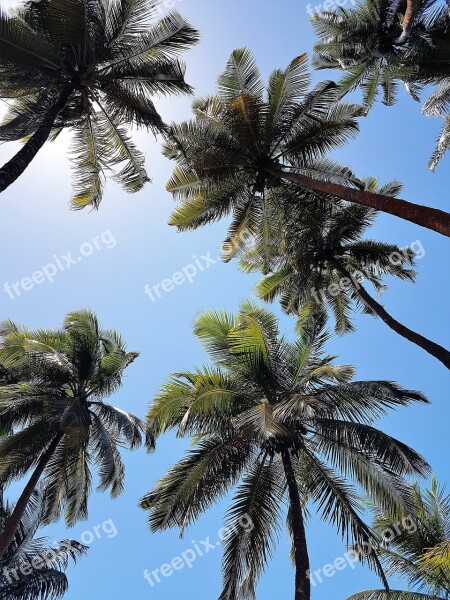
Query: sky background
37	224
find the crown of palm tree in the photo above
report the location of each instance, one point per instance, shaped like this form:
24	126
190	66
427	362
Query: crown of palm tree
244	142
105	60
300	252
276	419
381	43
420	557
47	581
237	135
313	256
364	41
56	410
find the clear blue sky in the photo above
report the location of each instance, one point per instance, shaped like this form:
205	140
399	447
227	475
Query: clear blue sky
37	224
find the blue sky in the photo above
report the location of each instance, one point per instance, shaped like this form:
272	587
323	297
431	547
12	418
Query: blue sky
136	247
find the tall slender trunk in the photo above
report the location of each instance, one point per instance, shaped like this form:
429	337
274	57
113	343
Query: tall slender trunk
432	348
13	521
14	168
302	581
431	218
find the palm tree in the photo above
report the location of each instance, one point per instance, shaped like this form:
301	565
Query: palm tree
59	419
243	143
284	424
422	557
364	42
44	565
381	43
314	256
93	67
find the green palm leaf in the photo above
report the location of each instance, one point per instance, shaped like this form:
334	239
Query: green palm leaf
271	417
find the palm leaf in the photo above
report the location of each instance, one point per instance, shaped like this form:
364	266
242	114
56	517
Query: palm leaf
240	76
247	549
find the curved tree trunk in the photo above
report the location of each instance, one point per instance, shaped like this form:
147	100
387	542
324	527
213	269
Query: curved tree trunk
412	6
13	169
302	581
431	218
14	519
432	348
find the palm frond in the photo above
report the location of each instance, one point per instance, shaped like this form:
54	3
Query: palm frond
251	523
241	75
201	478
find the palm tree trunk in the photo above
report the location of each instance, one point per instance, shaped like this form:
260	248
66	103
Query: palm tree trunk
432	348
13	521
412	6
302	581
13	169
431	218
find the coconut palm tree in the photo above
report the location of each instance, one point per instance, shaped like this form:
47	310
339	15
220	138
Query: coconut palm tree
44	565
420	557
284	424
92	67
243	143
382	43
365	43
314	256
60	421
